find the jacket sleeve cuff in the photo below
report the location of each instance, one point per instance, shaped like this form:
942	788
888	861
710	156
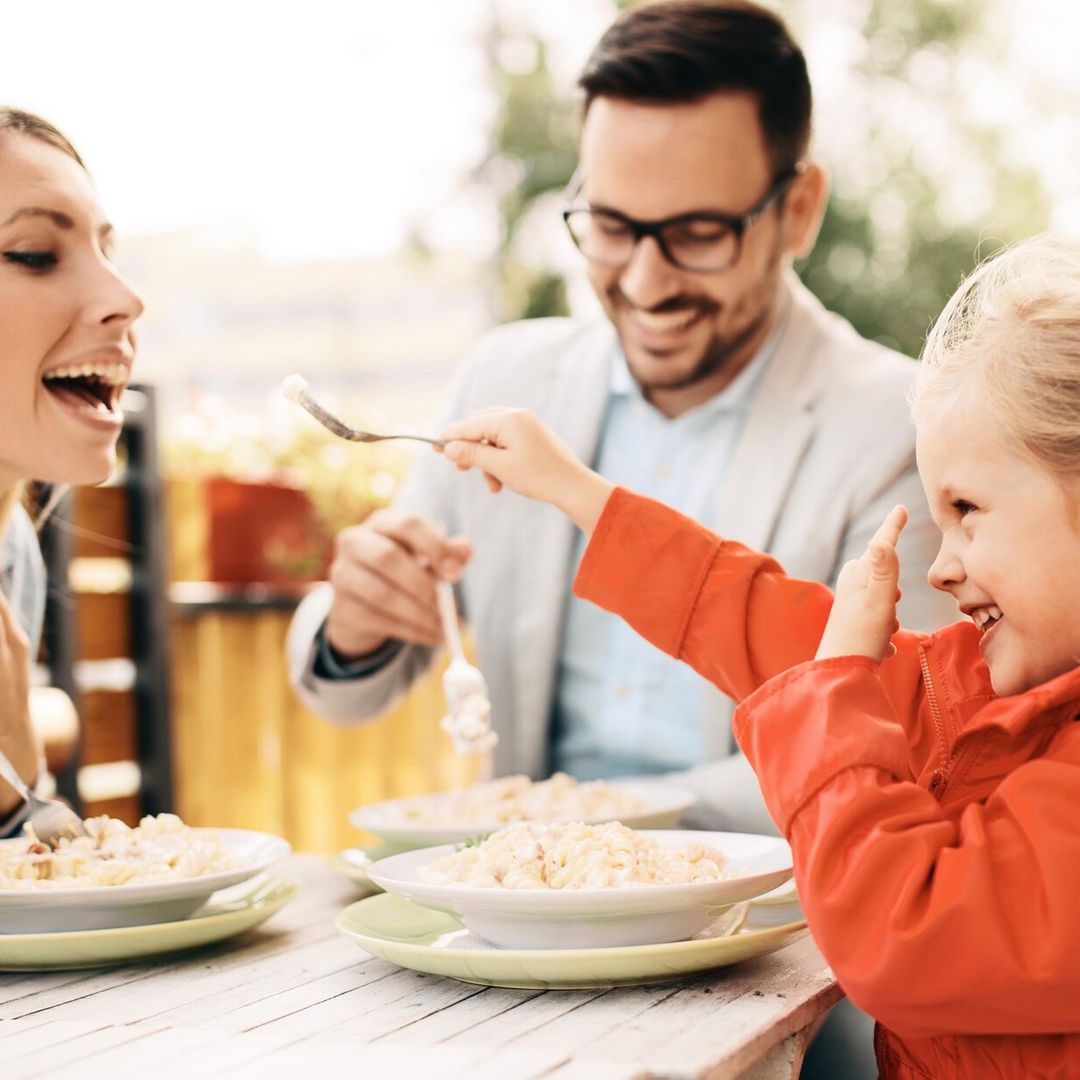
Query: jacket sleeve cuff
325	665
815	721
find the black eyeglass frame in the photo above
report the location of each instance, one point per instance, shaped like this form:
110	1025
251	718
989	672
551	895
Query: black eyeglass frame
737	223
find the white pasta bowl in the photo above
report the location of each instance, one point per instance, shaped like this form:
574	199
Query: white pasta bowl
661	808
596	918
42	910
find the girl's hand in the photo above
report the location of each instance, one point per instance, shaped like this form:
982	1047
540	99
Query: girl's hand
863	616
16	734
514	448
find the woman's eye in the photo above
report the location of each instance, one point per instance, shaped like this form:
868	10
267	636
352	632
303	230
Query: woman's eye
33	260
963	507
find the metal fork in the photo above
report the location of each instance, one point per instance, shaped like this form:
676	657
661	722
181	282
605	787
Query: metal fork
51	820
295	388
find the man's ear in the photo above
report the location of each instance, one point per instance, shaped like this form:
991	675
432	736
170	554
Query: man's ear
804	208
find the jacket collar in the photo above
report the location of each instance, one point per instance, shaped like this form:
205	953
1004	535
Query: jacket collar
959	673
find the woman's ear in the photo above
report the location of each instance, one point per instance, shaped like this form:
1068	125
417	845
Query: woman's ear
804	208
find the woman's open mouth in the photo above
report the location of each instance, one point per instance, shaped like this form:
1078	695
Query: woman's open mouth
89	387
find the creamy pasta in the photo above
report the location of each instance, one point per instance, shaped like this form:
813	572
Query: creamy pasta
160	848
517	798
575	856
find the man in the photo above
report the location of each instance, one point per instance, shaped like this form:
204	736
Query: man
718	385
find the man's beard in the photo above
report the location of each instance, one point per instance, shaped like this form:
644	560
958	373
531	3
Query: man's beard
718	353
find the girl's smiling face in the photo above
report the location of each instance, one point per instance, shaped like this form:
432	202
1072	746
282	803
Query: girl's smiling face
66	348
1010	548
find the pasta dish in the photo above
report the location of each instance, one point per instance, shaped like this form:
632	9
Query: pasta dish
160	848
575	856
517	798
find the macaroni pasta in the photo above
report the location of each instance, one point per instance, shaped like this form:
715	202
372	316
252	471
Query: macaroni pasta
517	798
159	848
575	856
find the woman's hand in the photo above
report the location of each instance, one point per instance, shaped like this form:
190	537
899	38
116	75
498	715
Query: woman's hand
16	734
512	447
863	616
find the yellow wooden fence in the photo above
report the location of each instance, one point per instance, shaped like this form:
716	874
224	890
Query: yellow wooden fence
248	755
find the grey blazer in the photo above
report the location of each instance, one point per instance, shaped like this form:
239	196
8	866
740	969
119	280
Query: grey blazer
827	450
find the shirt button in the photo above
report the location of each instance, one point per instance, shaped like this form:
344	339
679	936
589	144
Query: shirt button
624	691
664	472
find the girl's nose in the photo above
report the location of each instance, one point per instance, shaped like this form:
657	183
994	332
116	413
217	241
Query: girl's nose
946	571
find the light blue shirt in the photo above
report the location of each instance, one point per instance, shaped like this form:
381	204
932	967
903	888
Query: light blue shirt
622	707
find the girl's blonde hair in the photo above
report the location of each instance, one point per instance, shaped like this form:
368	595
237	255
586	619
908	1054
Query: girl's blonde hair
1011	334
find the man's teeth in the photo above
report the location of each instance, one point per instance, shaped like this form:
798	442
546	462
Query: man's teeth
114	374
665	323
985	616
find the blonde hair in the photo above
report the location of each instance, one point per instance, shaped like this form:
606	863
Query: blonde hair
1011	334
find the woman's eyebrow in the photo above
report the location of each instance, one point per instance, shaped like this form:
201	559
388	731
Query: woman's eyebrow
60	219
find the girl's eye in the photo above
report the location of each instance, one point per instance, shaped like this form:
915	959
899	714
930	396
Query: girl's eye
33	260
963	507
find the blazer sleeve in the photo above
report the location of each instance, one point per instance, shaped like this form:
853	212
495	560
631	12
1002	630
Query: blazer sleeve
366	696
976	910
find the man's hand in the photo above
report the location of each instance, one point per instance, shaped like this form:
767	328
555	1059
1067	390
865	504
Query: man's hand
863	616
512	447
16	734
384	584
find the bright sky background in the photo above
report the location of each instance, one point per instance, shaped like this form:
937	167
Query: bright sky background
322	127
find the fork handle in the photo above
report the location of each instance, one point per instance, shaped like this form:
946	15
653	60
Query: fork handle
448	613
10	774
367	437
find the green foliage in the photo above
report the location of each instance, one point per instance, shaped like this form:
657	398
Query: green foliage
892	247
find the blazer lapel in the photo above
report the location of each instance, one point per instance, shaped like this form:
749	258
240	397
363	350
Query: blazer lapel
780	425
573	402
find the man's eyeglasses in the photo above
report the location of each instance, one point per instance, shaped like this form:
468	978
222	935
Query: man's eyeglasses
705	242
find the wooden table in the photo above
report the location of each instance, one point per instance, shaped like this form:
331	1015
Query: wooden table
295	998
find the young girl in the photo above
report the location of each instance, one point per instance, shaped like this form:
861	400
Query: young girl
66	349
929	785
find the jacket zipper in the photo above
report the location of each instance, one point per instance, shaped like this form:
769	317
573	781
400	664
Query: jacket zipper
938	778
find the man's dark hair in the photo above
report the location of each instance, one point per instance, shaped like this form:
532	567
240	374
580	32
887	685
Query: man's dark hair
677	51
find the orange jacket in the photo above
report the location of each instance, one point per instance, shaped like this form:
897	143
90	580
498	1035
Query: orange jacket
935	827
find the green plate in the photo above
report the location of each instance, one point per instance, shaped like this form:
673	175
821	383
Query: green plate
436	943
228	912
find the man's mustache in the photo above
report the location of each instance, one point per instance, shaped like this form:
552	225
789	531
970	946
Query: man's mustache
676	304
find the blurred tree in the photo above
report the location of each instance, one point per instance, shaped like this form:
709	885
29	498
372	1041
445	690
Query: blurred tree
922	188
533	150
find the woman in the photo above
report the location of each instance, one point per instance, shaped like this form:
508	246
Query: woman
66	351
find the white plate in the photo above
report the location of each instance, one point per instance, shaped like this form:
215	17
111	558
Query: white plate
596	918
98	907
663	806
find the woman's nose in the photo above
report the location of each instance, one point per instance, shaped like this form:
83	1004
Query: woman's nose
117	300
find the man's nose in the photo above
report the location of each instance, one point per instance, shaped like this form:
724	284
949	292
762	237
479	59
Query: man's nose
648	279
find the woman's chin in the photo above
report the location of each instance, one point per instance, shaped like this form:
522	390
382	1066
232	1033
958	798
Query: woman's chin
89	471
